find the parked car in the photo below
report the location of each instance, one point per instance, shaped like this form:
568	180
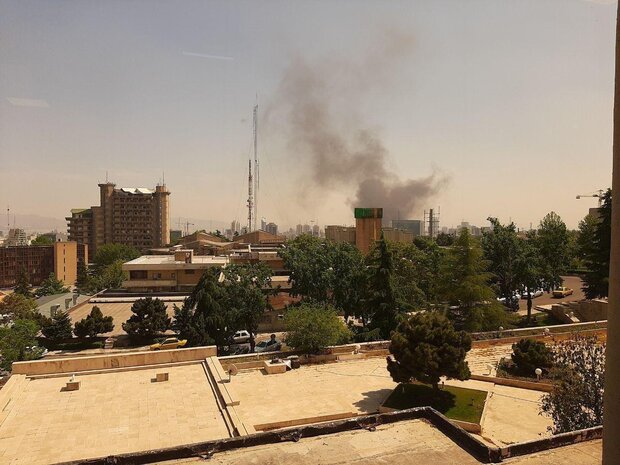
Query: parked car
535	293
272	345
241	337
562	292
169	343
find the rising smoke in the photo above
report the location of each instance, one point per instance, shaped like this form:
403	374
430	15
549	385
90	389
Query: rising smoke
318	106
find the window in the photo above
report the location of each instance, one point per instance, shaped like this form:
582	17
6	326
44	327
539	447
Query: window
189	271
137	274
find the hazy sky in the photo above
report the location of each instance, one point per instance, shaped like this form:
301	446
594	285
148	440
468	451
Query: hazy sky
508	104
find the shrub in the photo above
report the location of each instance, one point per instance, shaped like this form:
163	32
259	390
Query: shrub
528	354
312	327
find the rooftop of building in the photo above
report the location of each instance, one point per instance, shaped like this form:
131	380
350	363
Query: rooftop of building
119	409
150	260
44	304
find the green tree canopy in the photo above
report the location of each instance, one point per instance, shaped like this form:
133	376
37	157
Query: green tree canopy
502	250
18	342
323	271
464	286
23	286
149	318
51	286
19	307
42	240
596	280
529	354
94	323
109	254
206	317
309	261
426	347
576	401
381	299
246	287
57	327
551	239
312	327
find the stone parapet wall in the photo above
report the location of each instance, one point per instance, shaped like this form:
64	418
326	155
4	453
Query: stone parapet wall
105	362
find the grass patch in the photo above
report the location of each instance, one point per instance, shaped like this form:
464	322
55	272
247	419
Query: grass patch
454	402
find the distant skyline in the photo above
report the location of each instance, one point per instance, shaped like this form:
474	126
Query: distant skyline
482	108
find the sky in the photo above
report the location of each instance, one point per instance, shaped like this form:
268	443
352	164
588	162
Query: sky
483	108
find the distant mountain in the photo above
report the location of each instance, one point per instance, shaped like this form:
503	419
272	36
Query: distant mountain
35	223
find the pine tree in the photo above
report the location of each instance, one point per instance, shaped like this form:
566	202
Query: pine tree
94	323
426	347
149	318
597	257
51	286
381	301
23	286
58	327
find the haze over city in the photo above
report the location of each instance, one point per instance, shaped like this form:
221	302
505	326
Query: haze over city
482	107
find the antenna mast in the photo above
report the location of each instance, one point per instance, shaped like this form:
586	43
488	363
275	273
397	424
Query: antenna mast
250	197
256	174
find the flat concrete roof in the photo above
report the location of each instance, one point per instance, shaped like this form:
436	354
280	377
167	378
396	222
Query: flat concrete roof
410	442
111	413
152	260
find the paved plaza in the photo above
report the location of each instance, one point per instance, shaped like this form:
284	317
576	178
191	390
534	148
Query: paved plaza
112	413
357	387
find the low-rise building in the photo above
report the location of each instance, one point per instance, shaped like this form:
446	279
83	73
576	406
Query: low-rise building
60	258
179	272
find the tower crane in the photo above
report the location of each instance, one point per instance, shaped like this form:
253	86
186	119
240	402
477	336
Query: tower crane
596	194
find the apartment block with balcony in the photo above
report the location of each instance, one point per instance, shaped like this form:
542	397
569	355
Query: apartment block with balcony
133	216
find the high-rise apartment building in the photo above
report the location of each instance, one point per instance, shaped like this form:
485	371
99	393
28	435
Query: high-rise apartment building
133	216
16	237
272	228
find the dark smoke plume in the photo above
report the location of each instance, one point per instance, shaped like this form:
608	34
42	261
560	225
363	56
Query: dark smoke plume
316	105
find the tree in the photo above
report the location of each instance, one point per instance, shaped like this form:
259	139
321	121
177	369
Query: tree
23	286
596	280
502	248
245	288
83	281
409	269
19	307
312	327
381	301
464	286
323	271
109	254
94	323
58	327
529	272
551	240
444	239
149	318
576	401
18	342
109	277
308	260
42	240
205	317
51	286
528	355
426	347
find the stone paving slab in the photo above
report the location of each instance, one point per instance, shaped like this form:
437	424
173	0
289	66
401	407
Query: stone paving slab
112	413
355	386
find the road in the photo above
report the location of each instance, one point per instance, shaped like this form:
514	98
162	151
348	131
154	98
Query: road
573	282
